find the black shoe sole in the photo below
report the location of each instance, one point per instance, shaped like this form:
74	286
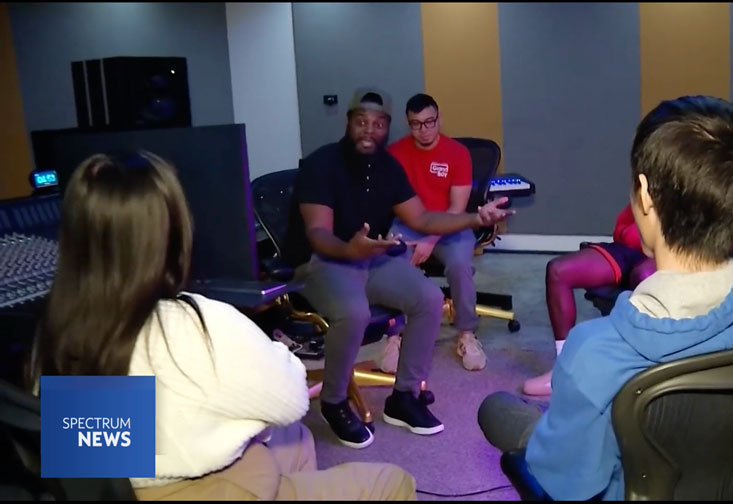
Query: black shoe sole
351	444
422	431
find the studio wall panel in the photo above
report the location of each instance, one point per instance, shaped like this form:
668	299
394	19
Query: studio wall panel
685	49
570	103
15	153
49	36
462	70
342	46
264	84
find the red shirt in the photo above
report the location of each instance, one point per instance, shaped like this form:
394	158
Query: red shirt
626	231
433	172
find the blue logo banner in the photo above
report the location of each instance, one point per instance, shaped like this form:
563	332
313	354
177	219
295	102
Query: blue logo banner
98	426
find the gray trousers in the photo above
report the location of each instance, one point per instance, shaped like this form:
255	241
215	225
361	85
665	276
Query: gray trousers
342	291
455	252
507	420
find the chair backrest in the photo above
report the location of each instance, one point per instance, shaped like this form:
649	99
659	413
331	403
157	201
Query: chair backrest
20	453
485	157
271	197
674	425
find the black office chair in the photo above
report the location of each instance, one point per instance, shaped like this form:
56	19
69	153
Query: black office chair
514	467
674	425
603	298
20	452
272	194
485	157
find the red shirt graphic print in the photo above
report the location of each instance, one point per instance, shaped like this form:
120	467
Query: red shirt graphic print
433	172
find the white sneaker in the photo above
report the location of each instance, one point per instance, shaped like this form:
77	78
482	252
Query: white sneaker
391	355
539	385
470	350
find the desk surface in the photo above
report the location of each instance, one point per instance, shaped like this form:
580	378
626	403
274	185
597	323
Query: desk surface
243	293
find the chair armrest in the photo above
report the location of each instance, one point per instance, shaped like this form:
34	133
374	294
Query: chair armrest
514	466
276	269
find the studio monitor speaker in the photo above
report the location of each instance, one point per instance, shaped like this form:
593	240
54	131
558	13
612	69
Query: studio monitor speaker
131	93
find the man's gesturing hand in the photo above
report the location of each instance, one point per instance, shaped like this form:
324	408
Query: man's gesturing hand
362	247
490	213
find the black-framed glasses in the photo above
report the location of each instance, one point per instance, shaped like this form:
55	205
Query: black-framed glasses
428	123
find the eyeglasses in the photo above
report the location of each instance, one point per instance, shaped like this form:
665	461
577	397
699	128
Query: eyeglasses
428	123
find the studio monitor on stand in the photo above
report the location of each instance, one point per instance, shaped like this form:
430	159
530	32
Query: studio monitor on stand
131	93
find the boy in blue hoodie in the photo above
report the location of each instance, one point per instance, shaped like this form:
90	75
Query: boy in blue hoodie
682	201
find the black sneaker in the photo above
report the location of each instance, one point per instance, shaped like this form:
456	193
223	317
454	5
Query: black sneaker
403	409
427	397
348	427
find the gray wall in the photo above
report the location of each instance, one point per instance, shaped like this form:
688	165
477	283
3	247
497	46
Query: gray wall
342	46
49	36
264	85
570	78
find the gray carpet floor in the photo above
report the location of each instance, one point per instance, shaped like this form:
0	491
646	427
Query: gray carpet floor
459	461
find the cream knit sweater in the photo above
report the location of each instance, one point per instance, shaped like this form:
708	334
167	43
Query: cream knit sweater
230	393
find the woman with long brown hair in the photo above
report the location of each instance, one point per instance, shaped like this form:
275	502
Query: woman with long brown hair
117	307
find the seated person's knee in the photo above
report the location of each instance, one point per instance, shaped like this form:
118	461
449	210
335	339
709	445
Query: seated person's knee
353	312
458	266
432	297
554	270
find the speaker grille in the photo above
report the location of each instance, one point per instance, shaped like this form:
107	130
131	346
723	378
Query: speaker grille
132	93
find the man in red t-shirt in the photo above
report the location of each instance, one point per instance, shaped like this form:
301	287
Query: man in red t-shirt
439	170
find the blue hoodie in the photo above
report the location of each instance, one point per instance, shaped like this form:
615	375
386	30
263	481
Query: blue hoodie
573	452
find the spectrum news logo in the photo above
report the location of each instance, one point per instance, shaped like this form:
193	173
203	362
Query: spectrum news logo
91	435
98	426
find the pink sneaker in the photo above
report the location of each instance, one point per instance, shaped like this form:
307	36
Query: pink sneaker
539	385
471	353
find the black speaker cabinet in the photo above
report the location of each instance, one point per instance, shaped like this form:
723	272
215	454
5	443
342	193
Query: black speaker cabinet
131	93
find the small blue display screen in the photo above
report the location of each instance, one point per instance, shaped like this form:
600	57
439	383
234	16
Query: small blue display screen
46	178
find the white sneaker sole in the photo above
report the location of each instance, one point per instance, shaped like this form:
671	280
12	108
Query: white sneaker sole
474	367
351	444
388	369
422	431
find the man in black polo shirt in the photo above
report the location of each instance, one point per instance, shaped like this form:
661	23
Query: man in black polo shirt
345	198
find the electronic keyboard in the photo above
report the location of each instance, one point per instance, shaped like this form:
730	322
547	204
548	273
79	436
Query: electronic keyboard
511	184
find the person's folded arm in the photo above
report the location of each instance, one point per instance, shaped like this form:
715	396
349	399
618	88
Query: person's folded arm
254	378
